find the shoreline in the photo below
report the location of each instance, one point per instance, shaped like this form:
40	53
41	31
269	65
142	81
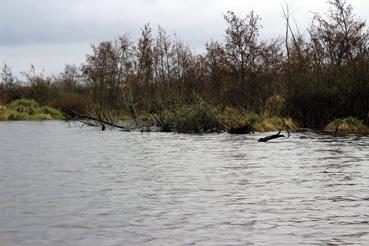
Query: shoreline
187	119
147	126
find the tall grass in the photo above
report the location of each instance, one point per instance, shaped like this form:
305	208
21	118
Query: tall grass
26	109
347	125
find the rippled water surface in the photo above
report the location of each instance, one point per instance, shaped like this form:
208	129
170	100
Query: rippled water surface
62	185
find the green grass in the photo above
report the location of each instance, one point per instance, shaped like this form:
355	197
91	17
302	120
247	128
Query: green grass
27	103
15	116
353	121
54	113
24	106
26	109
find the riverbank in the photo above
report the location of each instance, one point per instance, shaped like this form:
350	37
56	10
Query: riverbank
190	119
244	124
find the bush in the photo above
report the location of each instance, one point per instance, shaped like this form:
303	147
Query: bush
25	109
274	105
23	105
252	118
70	102
346	126
195	118
353	121
3	113
263	123
15	116
54	113
42	116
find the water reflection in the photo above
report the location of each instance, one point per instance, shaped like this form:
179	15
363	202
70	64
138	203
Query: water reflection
67	186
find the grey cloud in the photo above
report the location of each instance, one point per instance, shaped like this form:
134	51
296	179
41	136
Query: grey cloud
28	22
62	24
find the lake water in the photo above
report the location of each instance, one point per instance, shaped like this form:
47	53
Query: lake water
62	185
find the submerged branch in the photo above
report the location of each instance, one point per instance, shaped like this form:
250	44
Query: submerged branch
85	119
278	135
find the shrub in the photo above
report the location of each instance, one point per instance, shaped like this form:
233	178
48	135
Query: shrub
194	118
252	118
23	105
3	113
25	109
70	102
353	121
16	116
346	126
262	123
42	116
274	105
54	113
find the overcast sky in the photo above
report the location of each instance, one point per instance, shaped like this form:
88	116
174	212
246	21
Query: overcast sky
51	33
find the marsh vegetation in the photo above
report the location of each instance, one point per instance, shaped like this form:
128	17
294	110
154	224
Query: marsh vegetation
26	109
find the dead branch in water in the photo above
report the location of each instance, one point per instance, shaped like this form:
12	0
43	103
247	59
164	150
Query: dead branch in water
287	127
92	121
278	135
271	137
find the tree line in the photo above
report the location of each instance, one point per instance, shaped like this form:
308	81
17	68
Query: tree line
314	77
